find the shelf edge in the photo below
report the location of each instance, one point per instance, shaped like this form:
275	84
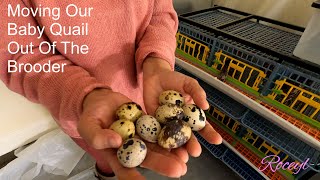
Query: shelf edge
245	159
249	103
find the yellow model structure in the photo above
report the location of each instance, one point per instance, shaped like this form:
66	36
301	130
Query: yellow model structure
192	47
297	99
244	73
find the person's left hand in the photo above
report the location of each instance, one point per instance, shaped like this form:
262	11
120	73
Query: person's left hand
158	77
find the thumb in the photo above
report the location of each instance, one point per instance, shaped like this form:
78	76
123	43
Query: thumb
152	105
97	137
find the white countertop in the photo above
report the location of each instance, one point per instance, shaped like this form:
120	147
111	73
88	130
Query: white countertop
21	121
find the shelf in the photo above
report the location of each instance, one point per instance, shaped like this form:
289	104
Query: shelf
240	164
282	139
216	150
249	103
232	158
247	27
232	108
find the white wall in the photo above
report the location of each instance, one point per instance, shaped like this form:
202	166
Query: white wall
184	6
201	4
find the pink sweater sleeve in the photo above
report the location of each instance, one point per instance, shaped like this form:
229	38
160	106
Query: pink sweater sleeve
159	38
61	93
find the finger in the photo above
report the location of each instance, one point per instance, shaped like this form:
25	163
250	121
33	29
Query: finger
193	146
186	85
188	99
210	135
98	138
182	153
121	172
192	87
153	103
168	153
164	165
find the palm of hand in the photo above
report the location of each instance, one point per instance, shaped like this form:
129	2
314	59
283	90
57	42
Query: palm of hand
155	85
193	93
98	115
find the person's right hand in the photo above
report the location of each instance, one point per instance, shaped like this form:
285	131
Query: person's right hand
99	109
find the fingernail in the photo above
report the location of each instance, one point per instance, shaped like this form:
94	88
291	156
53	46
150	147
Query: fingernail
208	105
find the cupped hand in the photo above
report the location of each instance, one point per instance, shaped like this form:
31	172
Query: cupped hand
98	114
159	77
99	109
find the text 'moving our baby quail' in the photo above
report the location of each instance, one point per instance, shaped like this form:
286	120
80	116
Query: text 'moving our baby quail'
39	32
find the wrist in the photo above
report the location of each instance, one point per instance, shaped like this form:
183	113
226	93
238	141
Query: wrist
154	65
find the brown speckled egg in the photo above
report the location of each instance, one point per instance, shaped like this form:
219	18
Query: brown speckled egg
171	97
168	112
194	116
174	134
148	128
132	152
130	111
124	128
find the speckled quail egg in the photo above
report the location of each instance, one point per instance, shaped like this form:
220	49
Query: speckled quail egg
132	152
171	97
174	134
148	128
130	111
194	116
168	112
124	128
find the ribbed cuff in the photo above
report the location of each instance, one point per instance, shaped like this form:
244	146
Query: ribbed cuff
103	176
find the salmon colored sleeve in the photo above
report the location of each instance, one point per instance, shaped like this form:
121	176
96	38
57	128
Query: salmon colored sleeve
61	93
159	38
